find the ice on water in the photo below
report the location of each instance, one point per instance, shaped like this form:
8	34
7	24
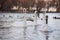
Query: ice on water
12	27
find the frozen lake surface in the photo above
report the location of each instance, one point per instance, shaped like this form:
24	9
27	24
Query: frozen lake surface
12	27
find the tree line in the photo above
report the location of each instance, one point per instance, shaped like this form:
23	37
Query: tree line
8	4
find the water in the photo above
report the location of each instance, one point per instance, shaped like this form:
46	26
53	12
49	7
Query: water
12	27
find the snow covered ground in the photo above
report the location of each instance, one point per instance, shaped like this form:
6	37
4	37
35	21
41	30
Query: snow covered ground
12	27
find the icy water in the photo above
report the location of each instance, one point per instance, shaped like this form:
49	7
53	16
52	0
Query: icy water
12	27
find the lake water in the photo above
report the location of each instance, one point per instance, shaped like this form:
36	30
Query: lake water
12	27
